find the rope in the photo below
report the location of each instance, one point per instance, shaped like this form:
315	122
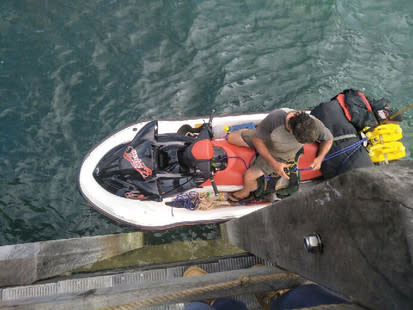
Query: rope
351	154
345	149
328	306
189	200
352	147
397	114
207	202
242	281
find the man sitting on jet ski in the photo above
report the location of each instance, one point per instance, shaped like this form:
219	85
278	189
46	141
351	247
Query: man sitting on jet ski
281	134
277	139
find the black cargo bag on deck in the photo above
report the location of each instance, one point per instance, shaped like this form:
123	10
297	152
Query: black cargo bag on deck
345	134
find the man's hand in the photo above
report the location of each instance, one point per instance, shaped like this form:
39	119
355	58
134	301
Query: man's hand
263	151
316	165
279	168
322	152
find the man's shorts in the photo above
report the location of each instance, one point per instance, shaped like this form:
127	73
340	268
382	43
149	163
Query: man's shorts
259	162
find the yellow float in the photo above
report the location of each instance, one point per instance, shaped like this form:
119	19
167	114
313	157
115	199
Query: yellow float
383	144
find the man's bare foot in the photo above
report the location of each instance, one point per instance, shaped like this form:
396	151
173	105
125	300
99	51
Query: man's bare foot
235	198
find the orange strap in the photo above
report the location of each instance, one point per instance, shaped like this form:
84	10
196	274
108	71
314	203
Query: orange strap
340	99
365	101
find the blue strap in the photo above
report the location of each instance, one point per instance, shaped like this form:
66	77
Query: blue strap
352	147
351	154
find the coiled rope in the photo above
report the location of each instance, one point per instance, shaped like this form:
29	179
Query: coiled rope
330	306
242	281
189	201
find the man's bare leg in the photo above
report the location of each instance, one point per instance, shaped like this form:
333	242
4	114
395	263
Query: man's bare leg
250	175
250	183
236	139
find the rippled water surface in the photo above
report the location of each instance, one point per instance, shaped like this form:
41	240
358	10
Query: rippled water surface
71	72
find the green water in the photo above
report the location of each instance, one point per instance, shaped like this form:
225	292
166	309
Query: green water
71	72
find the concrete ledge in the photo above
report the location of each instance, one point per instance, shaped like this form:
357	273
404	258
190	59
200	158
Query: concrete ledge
26	263
365	220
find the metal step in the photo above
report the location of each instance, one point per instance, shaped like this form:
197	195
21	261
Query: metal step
80	292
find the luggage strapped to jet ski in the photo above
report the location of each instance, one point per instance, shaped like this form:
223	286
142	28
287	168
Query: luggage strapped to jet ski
356	120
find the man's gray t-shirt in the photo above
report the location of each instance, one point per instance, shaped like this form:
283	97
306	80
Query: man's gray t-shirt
277	118
282	144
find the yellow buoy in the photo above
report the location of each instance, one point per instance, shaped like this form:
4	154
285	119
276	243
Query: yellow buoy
385	133
387	151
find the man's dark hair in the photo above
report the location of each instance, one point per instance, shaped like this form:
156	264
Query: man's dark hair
304	127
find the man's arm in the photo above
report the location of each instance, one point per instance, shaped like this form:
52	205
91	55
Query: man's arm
263	151
326	141
322	152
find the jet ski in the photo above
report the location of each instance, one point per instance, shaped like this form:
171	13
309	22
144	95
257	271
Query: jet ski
154	174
